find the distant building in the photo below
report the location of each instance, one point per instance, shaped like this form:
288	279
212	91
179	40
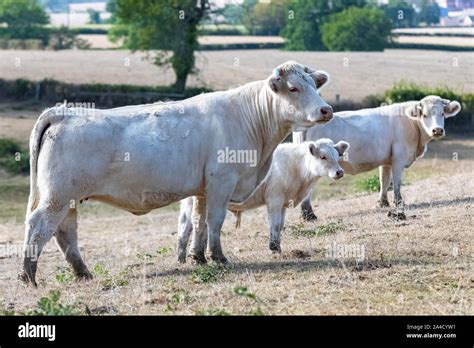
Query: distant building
78	14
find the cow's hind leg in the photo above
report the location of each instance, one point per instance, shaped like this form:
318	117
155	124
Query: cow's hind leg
41	224
199	240
66	240
307	210
385	175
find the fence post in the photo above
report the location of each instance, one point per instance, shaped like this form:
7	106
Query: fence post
38	91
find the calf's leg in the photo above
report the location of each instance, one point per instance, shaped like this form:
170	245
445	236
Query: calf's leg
276	220
307	210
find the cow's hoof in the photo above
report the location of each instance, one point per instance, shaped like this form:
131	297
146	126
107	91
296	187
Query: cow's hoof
309	215
220	259
85	275
383	203
198	259
182	258
25	278
275	247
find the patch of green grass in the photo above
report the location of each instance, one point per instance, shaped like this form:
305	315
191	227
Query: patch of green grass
245	292
300	230
64	275
209	273
180	296
109	281
50	305
370	184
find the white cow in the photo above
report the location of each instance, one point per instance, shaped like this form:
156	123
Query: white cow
389	137
140	158
294	171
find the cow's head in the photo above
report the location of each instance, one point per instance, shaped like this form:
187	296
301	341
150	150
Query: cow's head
298	85
431	111
325	157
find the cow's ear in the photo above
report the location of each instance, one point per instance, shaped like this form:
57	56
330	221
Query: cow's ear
320	77
414	111
275	80
451	108
342	147
313	150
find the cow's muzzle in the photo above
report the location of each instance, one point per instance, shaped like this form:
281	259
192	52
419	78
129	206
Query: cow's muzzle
324	114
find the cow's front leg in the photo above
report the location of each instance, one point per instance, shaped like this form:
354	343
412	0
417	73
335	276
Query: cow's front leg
199	240
385	175
397	171
307	210
218	196
276	220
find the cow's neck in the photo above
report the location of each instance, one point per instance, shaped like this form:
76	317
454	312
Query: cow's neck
264	121
422	138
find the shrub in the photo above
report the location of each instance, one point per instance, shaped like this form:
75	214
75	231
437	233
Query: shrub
50	305
370	184
356	29
13	158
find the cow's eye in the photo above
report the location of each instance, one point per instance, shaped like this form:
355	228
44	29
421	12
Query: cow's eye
294	90
322	157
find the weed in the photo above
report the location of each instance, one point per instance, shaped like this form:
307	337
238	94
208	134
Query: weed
209	273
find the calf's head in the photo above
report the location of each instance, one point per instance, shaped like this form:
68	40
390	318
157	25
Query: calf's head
431	111
298	85
324	157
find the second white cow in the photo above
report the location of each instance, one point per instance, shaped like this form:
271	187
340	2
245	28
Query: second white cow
389	137
294	171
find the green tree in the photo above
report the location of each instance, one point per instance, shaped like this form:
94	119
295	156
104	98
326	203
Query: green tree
401	14
111	7
357	29
302	31
24	19
170	26
267	18
94	16
429	12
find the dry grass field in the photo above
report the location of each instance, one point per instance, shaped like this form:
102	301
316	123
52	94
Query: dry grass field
421	265
355	75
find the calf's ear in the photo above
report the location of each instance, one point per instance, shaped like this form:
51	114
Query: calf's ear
275	80
313	150
414	111
342	147
451	108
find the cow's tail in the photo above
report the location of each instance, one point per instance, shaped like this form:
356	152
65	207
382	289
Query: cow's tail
299	137
238	217
46	119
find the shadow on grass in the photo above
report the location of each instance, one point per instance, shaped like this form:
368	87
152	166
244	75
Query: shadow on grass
278	266
441	203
